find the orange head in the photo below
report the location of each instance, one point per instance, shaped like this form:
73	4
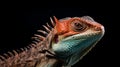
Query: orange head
74	37
76	25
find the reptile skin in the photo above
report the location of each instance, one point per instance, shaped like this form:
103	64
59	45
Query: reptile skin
62	45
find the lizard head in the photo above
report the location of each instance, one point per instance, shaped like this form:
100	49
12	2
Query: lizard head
74	37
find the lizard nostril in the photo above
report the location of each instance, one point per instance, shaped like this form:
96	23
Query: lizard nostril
98	28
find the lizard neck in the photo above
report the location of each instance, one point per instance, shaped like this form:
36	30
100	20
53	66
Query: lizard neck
35	56
48	63
30	58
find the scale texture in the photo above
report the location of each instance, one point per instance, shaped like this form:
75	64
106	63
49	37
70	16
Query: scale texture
63	43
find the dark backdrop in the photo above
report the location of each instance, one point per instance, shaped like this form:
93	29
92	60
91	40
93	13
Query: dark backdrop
18	24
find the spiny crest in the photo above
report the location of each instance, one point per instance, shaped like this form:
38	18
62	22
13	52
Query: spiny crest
2	57
37	39
8	54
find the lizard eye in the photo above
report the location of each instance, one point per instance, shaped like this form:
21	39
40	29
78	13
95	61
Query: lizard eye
78	25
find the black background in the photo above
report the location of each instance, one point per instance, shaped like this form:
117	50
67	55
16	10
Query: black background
18	24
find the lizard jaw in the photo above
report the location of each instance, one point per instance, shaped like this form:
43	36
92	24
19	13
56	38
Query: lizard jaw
58	38
61	44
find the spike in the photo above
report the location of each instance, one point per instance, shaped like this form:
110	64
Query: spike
38	40
56	20
34	42
48	25
6	55
25	48
21	49
52	21
28	47
10	53
49	54
2	57
18	51
15	52
34	37
33	45
41	37
47	29
41	31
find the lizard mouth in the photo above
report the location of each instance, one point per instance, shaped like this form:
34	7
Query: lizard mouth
58	38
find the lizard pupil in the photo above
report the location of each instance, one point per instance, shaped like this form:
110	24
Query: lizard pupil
78	25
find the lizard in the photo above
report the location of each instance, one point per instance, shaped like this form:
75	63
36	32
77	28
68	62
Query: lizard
62	44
